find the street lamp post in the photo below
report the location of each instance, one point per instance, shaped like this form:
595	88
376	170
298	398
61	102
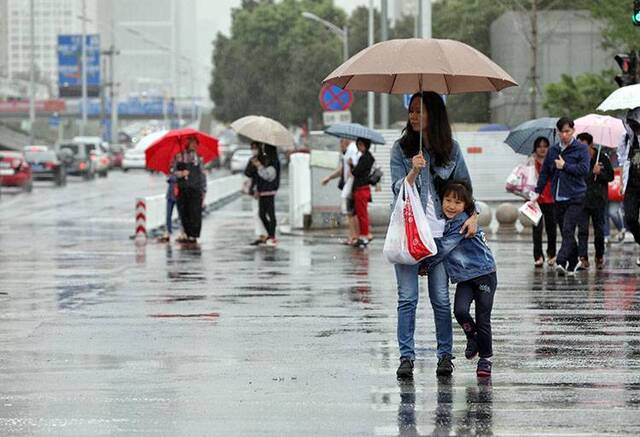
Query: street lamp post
342	33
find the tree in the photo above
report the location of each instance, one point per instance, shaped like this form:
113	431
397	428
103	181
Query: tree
273	62
618	30
575	97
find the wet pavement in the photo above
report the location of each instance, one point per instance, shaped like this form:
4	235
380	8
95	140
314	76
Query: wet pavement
100	337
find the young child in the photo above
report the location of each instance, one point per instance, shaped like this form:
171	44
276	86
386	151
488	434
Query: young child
470	264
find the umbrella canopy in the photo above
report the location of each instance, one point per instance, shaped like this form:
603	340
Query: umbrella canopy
521	138
627	97
353	131
604	129
160	154
263	130
405	66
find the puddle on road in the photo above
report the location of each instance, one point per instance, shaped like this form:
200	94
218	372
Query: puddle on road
185	316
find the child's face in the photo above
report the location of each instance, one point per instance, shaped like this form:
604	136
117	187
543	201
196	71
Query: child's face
452	206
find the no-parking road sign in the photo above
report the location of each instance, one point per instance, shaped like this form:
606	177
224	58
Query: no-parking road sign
334	98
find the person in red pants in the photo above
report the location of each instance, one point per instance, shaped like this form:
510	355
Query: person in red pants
361	191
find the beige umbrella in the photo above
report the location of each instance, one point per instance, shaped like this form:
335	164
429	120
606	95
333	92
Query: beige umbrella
263	130
406	66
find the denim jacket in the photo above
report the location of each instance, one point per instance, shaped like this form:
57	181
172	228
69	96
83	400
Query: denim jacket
464	259
455	169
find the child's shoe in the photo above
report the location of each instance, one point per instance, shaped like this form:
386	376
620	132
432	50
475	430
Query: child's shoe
484	368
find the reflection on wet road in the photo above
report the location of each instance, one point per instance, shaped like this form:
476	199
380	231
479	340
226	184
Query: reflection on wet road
103	337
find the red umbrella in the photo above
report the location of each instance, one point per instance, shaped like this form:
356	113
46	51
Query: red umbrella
160	154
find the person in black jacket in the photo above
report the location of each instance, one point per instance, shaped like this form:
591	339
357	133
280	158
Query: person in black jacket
595	204
267	166
361	190
192	188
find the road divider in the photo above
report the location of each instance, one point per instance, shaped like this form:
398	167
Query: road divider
150	211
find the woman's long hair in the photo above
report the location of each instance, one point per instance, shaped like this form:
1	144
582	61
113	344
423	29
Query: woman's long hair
439	137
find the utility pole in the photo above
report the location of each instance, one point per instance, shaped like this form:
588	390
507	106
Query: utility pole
32	73
371	115
533	68
384	98
111	84
112	88
83	125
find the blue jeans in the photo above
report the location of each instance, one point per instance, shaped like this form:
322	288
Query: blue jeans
170	204
438	280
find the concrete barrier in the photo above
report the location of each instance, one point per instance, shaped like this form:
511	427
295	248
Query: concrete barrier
150	211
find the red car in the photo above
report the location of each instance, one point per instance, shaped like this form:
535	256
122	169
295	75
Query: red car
15	171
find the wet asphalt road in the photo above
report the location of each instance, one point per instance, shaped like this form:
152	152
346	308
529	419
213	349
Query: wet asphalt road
101	337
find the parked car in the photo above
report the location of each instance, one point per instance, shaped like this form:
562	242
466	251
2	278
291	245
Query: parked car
116	152
103	162
45	165
15	171
135	158
239	160
77	159
228	143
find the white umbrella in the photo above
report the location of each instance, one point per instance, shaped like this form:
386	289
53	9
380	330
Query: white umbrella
263	130
627	97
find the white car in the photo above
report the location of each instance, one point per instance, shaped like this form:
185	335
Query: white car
240	159
135	158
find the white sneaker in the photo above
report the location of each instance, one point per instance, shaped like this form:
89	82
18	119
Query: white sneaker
271	242
638	261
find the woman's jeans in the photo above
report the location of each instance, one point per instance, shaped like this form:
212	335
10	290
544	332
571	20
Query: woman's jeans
170	204
438	280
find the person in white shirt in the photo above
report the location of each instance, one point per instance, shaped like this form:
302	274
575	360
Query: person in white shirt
345	185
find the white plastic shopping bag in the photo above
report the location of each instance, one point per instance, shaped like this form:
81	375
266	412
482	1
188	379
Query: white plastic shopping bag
409	239
530	213
522	179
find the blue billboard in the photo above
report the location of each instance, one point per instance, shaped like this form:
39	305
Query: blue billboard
70	65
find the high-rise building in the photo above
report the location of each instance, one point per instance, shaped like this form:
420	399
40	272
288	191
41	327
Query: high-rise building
51	17
4	67
157	44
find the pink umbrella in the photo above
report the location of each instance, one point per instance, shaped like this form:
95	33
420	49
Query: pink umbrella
605	130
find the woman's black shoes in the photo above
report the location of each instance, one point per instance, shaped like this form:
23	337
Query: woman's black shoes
445	365
405	370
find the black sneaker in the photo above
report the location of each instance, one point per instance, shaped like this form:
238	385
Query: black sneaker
445	365
257	242
405	370
361	243
484	368
472	347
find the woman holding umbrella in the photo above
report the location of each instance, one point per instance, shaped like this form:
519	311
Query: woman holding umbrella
429	166
192	187
361	190
267	165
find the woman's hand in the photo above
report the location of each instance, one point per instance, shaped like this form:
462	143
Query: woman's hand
417	164
470	227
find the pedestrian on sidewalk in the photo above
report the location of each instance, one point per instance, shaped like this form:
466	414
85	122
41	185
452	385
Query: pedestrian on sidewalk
192	188
171	203
469	264
629	158
567	166
361	190
349	152
267	166
545	201
428	166
250	188
595	204
615	210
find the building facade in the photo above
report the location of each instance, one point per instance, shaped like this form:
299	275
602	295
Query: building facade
51	17
569	42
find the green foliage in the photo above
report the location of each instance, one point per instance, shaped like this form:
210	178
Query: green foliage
274	60
578	96
618	30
